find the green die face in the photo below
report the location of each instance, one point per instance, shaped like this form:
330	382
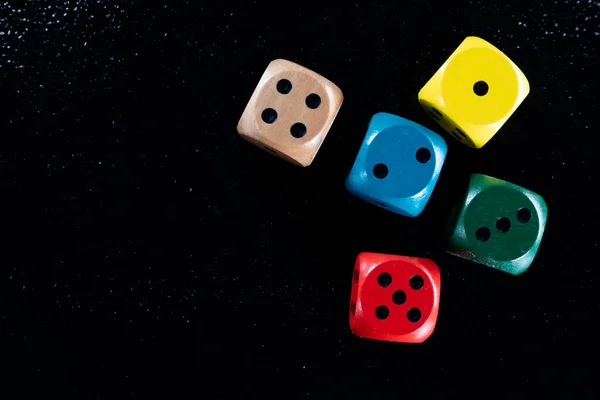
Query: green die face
500	225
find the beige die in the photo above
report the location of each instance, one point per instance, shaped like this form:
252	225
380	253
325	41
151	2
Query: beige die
290	112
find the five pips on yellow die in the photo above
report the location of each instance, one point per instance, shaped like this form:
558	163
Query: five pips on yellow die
471	96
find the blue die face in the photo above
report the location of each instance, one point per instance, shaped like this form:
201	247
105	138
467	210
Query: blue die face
398	165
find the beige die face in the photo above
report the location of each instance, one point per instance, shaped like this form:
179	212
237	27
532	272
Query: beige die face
291	108
290	112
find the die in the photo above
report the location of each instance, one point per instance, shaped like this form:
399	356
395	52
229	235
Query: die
394	298
474	92
499	225
290	112
397	165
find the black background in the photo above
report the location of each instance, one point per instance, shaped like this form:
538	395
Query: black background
149	250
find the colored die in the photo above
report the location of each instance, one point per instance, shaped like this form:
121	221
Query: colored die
394	298
290	112
474	92
499	225
398	165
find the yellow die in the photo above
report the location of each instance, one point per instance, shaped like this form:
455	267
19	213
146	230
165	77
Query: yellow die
475	92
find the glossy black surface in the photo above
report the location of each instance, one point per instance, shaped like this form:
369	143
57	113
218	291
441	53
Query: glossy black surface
149	250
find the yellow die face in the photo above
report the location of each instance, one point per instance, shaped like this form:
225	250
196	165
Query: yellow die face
474	92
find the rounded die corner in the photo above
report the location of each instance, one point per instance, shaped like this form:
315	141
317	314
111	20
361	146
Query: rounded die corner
535	198
302	163
350	184
474	41
378	114
239	128
430	95
432	268
477	178
524	84
519	270
437	141
355	186
412	208
543	205
242	133
380	120
426	334
415	213
542	210
246	125
281	62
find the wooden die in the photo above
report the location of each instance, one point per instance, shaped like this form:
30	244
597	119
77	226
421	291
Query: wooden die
290	112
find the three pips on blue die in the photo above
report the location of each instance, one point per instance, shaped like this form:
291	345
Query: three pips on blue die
471	96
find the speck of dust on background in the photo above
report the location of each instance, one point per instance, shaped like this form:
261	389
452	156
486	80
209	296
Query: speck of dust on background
29	27
81	20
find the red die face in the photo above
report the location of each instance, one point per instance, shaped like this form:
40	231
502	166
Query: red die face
394	298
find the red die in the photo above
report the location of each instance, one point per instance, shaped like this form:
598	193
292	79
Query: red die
394	298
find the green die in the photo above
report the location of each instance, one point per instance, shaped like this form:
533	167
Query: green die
500	225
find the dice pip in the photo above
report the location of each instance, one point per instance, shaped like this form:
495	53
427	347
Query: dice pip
397	165
394	298
290	112
499	225
474	92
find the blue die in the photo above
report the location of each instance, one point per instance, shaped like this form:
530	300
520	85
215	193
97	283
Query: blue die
398	165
